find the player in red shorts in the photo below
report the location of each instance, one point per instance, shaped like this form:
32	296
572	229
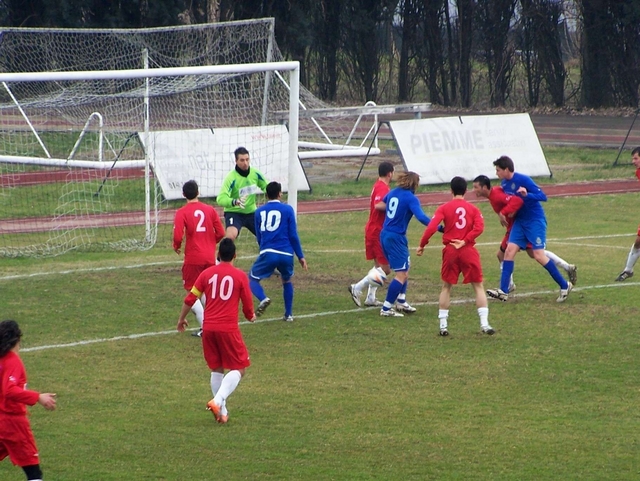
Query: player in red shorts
463	224
506	207
224	287
634	253
203	229
16	438
373	248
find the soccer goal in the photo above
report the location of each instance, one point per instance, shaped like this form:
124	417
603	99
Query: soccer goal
95	145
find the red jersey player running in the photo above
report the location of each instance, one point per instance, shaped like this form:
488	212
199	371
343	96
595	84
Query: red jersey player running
16	437
634	253
223	286
506	207
463	224
372	246
203	229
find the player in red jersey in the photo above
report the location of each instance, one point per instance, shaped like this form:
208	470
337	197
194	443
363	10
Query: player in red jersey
224	287
634	253
203	229
16	437
506	207
463	224
372	246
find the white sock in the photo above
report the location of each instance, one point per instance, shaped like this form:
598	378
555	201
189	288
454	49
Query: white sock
364	282
483	312
229	384
631	260
371	293
557	260
216	381
443	315
198	310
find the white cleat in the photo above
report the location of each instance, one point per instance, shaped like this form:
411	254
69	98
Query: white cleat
564	293
355	295
390	313
406	308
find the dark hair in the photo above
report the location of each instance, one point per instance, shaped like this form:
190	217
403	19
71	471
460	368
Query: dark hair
483	180
273	190
10	335
505	163
190	189
385	168
635	151
227	250
458	186
240	151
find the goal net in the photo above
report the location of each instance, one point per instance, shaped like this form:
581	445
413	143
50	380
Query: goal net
100	128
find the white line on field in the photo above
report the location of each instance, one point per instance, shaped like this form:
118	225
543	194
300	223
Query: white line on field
151	264
309	316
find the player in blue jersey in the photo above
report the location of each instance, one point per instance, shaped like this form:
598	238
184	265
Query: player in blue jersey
400	205
529	226
277	236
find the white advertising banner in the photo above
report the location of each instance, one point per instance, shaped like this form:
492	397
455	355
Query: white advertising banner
206	156
439	149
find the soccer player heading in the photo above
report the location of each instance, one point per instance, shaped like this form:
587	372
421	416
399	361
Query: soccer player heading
634	253
224	287
372	246
400	205
506	206
529	227
238	194
277	236
200	225
16	437
463	224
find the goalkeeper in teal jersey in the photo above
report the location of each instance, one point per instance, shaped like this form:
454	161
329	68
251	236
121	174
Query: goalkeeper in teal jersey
238	195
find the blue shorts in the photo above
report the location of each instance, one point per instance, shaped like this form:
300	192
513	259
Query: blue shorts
268	262
533	232
396	250
238	220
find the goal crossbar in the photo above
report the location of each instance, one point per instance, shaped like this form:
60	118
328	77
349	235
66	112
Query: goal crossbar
293	67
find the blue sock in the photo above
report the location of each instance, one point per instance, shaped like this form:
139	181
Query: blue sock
287	294
507	270
257	290
402	297
555	273
395	287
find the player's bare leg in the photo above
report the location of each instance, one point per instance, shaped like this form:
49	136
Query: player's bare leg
444	302
632	258
483	308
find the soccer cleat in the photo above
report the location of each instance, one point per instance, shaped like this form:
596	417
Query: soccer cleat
263	306
406	308
355	295
215	409
564	293
444	332
488	330
573	273
624	275
498	294
372	303
197	333
390	313
287	318
512	287
224	419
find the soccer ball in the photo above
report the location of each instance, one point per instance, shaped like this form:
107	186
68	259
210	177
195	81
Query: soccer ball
376	276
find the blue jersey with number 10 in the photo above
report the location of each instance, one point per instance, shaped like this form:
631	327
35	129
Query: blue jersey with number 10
276	229
402	205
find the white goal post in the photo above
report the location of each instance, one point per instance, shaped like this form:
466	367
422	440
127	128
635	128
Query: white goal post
93	158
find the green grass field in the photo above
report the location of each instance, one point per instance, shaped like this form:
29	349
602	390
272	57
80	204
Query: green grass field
341	393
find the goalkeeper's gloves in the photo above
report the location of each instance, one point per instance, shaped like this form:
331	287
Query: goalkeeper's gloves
240	202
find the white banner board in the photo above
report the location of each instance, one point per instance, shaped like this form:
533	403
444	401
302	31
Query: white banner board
206	156
439	149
